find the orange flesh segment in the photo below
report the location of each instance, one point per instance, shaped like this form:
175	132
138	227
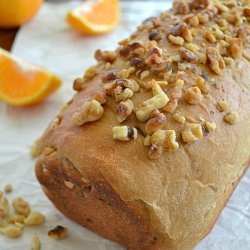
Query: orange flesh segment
100	13
17	82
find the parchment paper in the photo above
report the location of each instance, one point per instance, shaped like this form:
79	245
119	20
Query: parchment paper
49	42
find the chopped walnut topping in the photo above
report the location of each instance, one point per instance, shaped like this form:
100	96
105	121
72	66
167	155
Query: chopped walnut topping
221	7
144	74
156	102
223	106
155	35
210	37
193	95
35	243
125	73
21	206
176	40
210	126
137	63
155	152
90	73
4	207
192	132
174	95
194	21
232	118
158	138
121	93
89	112
171	142
12	231
215	60
219	34
181	7
110	76
156	122
246	11
187	55
147	141
34	218
202	84
202	58
228	60
8	188
124	110
16	218
58	232
179	83
124	133
235	47
78	84
232	17
187	34
179	118
154	56
105	56
192	47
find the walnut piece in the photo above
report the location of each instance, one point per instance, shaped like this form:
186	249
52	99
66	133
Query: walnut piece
21	206
187	55
89	112
154	56
156	122
59	232
192	132
155	152
176	40
156	102
179	118
210	126
174	95
147	141
223	106
232	118
78	84
124	133
236	47
12	231
34	218
215	60
193	95
171	142
124	110
202	84
35	243
210	37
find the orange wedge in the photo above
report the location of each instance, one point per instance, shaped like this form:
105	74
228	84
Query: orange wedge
95	17
22	83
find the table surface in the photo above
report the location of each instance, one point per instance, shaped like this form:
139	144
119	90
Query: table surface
7	38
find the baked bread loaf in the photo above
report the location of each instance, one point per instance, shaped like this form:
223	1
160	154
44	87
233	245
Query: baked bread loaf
156	138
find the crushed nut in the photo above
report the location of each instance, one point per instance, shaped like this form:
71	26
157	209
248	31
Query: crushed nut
179	118
16	218
124	133
155	35
8	188
210	126
35	243
109	76
192	132
121	93
124	110
144	74
137	63
174	95
202	84
223	106
235	47
246	11
171	142
232	118
154	56
210	37
187	34
192	47
4	207
59	232
228	60
180	7
89	112
100	97
105	56
176	40
147	141
193	95
125	73
12	231
180	83
155	152
21	206
215	60
156	102
156	122
194	21
187	55
34	218
78	84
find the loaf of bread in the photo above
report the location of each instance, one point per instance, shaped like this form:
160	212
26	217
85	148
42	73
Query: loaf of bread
152	145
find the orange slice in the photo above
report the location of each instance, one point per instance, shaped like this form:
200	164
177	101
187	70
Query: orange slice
95	17
22	83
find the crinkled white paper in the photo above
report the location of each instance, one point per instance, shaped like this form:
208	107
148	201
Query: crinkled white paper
49	42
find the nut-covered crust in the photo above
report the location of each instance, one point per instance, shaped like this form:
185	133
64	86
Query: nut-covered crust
113	187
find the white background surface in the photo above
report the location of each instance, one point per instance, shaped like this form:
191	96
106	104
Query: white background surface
49	42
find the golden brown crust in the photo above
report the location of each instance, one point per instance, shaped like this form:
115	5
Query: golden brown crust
171	202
